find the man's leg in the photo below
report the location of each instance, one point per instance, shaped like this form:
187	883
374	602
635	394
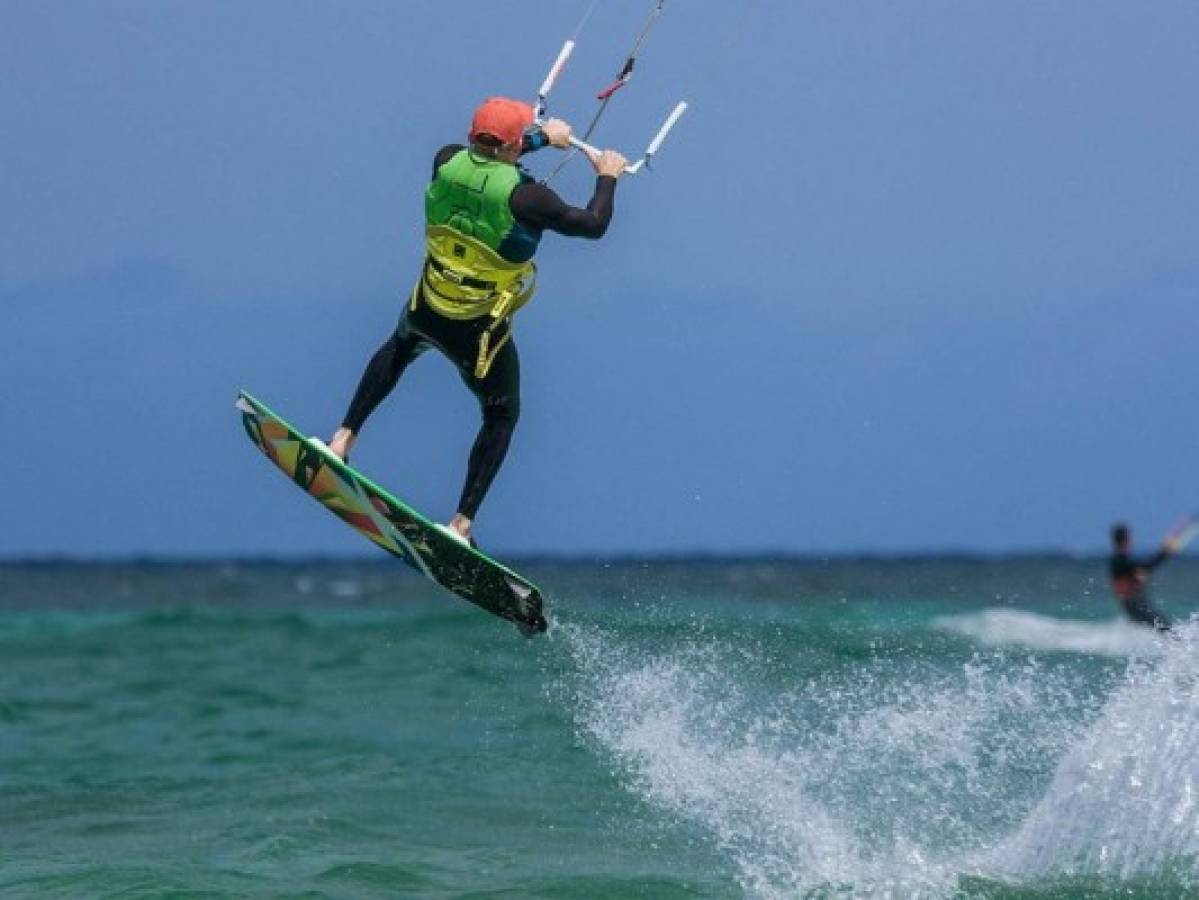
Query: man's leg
382	374
1142	613
499	401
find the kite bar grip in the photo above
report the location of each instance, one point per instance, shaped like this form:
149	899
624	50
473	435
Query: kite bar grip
587	148
653	147
590	150
580	144
548	85
1182	535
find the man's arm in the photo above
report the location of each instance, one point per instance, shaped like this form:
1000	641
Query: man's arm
1157	559
537	206
554	133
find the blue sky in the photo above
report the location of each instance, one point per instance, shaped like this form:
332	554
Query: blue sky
909	275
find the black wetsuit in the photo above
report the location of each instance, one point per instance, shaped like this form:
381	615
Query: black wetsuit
537	209
1130	582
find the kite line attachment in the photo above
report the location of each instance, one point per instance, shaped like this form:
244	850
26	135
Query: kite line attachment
604	97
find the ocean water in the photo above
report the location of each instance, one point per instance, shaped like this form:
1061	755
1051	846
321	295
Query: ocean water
932	729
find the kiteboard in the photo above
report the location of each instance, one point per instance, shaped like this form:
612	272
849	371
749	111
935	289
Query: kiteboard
392	524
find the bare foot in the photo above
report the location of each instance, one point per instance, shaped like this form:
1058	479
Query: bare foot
341	442
462	525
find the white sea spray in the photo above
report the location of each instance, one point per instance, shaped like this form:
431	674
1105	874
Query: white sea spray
1020	628
899	781
1122	802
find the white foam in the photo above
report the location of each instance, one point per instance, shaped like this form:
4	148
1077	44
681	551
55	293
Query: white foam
658	717
865	788
1123	801
899	776
1017	628
345	588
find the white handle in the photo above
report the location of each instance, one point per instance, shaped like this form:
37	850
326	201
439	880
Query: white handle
665	129
583	145
588	149
654	145
555	70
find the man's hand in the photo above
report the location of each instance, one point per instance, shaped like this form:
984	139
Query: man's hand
609	162
557	133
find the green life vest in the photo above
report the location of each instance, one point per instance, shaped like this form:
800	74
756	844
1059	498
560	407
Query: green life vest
467	218
470	194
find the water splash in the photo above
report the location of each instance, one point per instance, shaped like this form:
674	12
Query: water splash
670	721
1123	802
1011	627
855	783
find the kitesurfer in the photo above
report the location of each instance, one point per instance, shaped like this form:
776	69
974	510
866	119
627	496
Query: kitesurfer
484	217
1130	577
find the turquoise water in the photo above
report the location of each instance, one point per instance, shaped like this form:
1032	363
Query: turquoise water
689	729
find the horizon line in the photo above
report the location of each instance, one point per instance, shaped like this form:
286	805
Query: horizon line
562	558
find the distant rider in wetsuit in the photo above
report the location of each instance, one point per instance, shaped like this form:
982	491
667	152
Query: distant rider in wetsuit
484	217
1130	577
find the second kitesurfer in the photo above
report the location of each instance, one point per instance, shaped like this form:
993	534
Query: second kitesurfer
1130	577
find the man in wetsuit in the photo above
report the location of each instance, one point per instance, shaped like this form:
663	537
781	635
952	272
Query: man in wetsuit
484	217
1130	577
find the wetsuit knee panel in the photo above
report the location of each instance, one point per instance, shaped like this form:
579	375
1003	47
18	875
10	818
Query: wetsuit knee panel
502	411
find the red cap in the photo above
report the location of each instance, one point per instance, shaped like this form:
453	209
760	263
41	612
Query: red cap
502	118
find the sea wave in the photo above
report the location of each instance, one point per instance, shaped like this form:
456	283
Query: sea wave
1018	628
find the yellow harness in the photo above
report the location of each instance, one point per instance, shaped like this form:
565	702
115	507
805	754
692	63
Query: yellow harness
463	278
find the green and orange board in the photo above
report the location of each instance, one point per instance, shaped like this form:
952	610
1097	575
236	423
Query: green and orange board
390	523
